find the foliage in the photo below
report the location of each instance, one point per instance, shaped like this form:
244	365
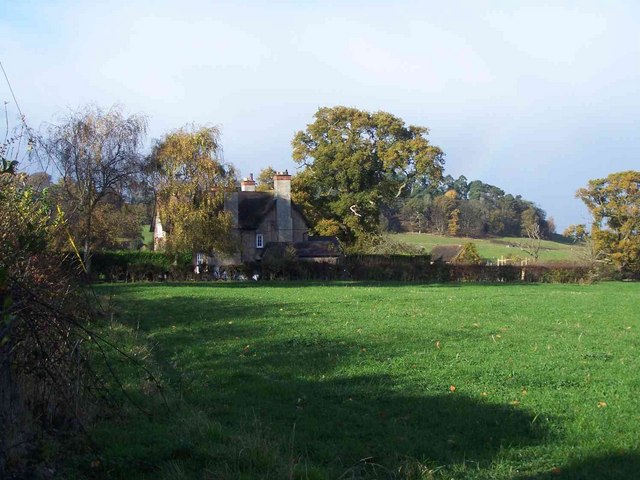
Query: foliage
97	154
355	162
327	227
577	233
614	203
42	365
470	255
353	380
190	180
473	209
114	222
265	179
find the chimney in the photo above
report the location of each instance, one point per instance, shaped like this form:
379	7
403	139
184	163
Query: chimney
248	184
282	187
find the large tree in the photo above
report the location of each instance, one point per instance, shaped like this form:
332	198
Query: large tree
356	161
614	203
96	153
190	179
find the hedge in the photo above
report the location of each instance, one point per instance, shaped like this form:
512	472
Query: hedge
133	266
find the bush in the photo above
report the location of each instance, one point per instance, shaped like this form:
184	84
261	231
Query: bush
44	384
133	266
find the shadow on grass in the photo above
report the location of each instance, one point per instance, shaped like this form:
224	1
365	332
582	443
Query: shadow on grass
333	403
614	466
315	283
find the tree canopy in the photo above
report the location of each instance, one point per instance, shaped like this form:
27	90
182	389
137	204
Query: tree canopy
458	207
356	161
190	179
614	203
96	153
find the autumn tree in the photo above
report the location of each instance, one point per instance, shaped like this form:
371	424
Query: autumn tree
577	233
265	179
190	179
614	203
356	161
96	153
469	255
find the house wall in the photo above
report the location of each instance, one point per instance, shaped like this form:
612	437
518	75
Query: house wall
269	229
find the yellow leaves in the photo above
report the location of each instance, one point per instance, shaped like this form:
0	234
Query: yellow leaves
602	404
438	344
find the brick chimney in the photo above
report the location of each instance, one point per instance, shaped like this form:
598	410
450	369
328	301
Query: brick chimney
248	184
282	188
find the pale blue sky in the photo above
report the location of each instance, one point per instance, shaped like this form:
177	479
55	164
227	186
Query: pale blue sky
535	97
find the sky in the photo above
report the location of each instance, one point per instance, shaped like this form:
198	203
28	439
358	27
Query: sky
534	97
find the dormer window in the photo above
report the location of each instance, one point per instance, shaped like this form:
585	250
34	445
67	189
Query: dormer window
259	240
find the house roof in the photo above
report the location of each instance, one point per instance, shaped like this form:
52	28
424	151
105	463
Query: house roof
446	253
253	207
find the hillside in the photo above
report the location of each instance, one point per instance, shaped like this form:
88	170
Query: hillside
496	247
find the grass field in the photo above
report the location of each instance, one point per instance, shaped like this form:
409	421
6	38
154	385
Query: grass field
494	248
375	381
147	235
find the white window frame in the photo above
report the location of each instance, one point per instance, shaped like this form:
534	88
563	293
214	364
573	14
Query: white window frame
259	240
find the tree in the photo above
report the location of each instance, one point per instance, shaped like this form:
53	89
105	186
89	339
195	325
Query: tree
614	203
265	179
190	179
533	244
96	153
577	233
356	161
470	255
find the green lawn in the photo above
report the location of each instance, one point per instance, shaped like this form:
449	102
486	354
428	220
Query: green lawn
494	248
289	380
147	235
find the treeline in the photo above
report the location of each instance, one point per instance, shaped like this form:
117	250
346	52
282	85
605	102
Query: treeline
457	207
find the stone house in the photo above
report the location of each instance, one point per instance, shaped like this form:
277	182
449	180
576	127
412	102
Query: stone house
262	218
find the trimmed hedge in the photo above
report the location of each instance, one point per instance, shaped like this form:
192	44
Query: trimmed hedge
417	268
134	266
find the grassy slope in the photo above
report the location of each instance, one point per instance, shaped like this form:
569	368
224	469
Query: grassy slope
306	381
493	248
147	235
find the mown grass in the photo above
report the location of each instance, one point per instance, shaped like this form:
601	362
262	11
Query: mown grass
359	380
494	248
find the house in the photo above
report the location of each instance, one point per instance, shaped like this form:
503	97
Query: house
446	253
263	220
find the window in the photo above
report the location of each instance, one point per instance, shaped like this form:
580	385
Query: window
259	240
